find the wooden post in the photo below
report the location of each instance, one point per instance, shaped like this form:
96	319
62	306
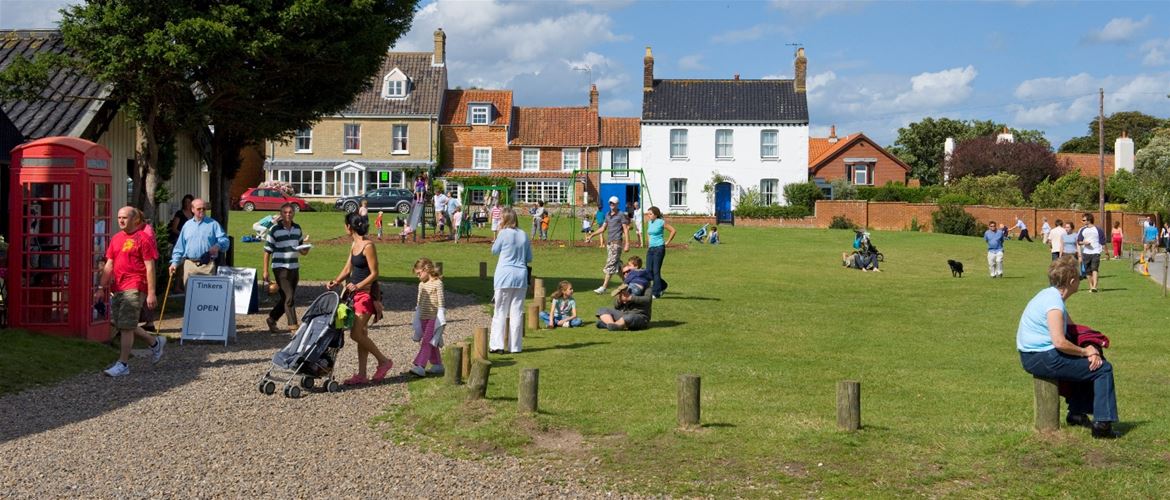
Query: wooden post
532	319
453	365
439	268
465	358
688	401
538	288
481	343
483	270
849	405
529	385
478	381
539	309
1046	404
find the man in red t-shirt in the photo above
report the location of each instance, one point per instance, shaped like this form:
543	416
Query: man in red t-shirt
130	266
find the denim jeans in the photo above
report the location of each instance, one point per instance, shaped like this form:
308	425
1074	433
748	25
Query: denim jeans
572	323
1095	395
654	258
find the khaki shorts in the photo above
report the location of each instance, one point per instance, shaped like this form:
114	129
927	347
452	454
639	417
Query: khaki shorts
193	268
613	258
126	306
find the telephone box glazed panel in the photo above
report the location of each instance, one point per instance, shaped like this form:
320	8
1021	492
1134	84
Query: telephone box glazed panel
61	219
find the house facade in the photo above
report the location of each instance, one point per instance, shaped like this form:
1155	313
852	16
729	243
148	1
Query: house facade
621	152
855	158
744	133
387	136
474	131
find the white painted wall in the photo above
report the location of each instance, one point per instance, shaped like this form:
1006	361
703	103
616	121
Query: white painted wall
746	168
121	139
635	163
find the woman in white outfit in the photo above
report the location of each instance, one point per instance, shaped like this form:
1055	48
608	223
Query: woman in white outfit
511	283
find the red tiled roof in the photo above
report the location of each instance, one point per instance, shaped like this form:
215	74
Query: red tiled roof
510	173
576	126
621	132
455	110
820	150
1088	164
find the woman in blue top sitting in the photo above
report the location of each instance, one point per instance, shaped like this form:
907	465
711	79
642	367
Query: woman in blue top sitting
1045	353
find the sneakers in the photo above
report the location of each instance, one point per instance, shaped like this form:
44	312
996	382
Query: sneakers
1078	420
418	371
380	373
156	351
600	290
272	328
119	369
1104	430
435	370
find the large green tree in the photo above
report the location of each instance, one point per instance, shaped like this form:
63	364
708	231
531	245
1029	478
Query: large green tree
1139	126
920	144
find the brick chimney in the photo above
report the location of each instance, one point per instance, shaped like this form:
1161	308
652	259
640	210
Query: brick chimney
440	56
832	134
801	66
1005	135
1123	153
593	98
737	76
648	71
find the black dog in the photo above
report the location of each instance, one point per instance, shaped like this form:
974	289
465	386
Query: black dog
956	268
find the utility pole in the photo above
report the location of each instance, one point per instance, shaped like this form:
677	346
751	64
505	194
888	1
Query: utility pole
1101	153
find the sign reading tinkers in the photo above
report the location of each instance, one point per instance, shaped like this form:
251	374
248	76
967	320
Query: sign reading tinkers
209	311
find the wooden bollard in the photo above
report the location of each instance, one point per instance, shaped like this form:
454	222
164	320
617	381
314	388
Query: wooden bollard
481	343
483	270
529	385
478	381
532	319
538	288
688	401
849	405
439	268
1046	404
539	309
453	363
465	359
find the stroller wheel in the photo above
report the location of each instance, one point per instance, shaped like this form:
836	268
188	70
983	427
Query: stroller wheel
308	382
881	257
333	386
267	387
292	391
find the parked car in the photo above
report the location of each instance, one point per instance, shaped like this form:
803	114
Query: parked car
379	199
268	199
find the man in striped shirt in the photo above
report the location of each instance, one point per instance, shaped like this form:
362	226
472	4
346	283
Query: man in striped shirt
280	247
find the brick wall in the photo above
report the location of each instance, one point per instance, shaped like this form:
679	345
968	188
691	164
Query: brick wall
885	170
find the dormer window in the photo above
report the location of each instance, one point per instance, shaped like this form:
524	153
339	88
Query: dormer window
480	114
395	85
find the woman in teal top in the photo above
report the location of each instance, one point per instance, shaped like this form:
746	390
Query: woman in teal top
656	252
1046	353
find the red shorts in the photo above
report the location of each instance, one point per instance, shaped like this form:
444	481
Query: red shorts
363	303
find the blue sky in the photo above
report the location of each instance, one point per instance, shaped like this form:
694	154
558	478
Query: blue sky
873	65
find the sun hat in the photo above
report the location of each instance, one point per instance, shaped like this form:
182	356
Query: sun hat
619	289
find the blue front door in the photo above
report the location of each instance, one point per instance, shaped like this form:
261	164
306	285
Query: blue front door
723	202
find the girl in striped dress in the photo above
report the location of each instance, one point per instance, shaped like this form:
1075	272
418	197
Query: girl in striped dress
429	319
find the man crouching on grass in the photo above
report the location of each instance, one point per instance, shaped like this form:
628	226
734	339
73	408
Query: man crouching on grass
130	267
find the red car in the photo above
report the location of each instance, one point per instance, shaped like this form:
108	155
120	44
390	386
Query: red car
268	199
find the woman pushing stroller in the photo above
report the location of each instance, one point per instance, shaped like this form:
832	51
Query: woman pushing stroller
361	273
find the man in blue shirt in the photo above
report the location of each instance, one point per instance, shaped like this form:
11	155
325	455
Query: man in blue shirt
200	242
994	238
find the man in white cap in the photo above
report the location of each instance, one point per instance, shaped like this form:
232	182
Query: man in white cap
617	231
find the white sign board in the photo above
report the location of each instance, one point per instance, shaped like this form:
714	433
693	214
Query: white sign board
244	281
208	313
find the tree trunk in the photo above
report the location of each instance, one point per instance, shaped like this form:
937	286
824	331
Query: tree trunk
225	154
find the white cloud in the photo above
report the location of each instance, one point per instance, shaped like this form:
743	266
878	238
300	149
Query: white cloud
1157	52
693	62
1118	29
1074	99
820	80
32	14
816	9
938	89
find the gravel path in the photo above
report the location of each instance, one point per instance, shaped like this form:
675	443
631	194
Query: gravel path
195	426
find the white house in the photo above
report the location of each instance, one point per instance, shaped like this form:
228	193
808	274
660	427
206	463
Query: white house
751	133
620	151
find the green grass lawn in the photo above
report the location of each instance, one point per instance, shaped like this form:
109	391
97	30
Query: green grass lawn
28	360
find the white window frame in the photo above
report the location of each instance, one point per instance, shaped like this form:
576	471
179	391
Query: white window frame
395	85
575	154
479	109
678	193
724	139
530	159
678	148
475	159
309	182
374	179
551	192
346	137
396	88
855	168
304	134
775	145
770	196
395	138
619	170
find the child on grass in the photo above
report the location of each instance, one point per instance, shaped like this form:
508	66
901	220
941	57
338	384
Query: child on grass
457	222
429	319
544	219
378	224
586	225
714	238
564	308
497	214
636	278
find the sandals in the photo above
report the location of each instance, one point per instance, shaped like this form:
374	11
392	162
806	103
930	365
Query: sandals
380	373
356	379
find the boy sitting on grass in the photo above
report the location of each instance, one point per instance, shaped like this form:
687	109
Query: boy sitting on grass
635	277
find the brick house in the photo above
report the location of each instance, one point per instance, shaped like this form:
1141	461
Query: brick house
474	131
385	138
855	158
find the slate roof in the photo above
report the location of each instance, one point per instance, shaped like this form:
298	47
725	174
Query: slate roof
1088	164
726	101
575	126
621	132
424	97
53	115
455	108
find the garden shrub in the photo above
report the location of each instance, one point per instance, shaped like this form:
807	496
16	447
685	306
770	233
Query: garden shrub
844	190
999	190
841	222
956	199
804	194
1069	191
321	206
900	192
772	212
952	219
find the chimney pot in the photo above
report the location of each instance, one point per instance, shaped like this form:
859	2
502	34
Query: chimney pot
648	71
737	76
593	98
832	134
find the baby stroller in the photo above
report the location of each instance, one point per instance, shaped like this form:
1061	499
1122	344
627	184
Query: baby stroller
311	354
864	245
701	234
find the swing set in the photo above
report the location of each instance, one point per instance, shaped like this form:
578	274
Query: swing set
623	190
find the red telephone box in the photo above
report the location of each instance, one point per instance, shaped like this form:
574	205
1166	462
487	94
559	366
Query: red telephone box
60	220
